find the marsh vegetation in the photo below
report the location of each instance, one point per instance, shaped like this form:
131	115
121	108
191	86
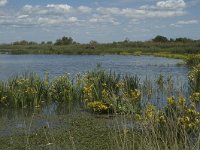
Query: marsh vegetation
107	111
158	46
101	108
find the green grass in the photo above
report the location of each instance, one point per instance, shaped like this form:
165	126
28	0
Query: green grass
130	48
193	60
84	131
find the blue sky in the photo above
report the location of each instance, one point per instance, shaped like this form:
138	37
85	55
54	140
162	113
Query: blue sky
100	20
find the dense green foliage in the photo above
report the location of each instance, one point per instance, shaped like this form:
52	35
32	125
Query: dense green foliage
98	90
161	46
64	41
160	39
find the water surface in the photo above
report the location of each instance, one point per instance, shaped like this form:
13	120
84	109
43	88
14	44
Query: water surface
143	66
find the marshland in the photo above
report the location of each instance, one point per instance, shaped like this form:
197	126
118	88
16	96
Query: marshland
99	75
99	102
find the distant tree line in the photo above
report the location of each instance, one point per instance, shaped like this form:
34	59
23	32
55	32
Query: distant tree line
62	41
24	42
160	38
92	44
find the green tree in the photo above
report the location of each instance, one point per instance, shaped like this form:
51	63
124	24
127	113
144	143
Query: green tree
64	41
49	42
160	38
183	40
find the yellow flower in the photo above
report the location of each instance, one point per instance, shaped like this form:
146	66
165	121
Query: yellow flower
149	112
120	84
105	93
136	95
171	100
187	119
104	84
162	119
97	106
138	117
191	125
192	111
195	97
181	101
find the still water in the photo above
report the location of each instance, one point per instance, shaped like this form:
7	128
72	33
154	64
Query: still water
16	122
55	65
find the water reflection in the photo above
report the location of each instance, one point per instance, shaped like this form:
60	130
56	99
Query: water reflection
55	65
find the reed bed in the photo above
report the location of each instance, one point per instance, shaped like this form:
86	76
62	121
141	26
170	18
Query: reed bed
95	87
147	114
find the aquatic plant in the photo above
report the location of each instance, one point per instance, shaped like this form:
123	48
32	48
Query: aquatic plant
28	90
195	97
193	60
184	117
175	125
112	89
194	79
99	107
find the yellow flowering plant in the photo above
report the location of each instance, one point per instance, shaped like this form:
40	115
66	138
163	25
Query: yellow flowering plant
98	107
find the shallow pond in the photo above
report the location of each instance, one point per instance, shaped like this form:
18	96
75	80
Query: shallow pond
143	66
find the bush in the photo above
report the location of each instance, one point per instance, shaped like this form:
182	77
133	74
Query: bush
194	79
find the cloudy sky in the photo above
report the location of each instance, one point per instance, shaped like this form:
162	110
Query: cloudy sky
100	20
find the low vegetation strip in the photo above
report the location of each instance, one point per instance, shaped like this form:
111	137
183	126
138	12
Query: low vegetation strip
159	46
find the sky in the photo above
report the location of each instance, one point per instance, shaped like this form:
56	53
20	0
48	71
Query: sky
100	20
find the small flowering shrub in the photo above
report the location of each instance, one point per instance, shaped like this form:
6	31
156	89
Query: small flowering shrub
195	97
101	87
177	113
4	101
193	60
99	107
26	91
60	89
189	120
194	79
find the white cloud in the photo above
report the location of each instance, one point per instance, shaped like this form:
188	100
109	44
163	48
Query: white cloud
64	14
175	25
72	20
140	13
111	10
134	22
59	7
186	22
22	16
28	9
162	9
49	15
49	21
103	19
166	5
48	9
3	2
171	4
85	9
